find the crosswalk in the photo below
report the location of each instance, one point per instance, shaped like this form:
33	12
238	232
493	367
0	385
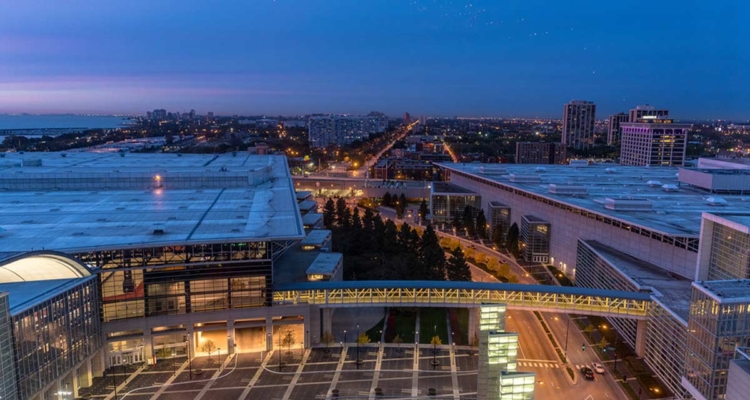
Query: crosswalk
532	364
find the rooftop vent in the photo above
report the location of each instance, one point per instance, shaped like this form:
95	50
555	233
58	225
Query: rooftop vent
610	170
716	201
540	169
567	189
492	170
654	184
525	178
632	204
578	163
670	188
158	231
32	162
63	155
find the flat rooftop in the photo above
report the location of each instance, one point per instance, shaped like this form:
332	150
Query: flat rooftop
316	237
675	212
90	201
325	263
24	295
730	291
672	290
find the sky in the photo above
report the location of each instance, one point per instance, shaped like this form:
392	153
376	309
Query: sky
504	58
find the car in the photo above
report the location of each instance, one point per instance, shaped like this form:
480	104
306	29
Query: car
587	373
598	368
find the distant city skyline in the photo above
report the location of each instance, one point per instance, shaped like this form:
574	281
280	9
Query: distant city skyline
439	58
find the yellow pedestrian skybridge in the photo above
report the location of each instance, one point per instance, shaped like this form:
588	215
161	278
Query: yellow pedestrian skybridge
573	300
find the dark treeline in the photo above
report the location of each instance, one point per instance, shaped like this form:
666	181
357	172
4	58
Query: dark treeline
380	250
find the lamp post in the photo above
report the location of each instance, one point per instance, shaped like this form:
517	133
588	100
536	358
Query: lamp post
174	368
279	350
357	346
190	360
114	379
567	330
218	350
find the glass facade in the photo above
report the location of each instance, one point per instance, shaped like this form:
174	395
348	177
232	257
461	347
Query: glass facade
445	206
499	218
517	386
730	254
8	388
715	329
182	279
54	335
534	239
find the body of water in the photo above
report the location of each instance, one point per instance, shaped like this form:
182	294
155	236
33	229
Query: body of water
17	122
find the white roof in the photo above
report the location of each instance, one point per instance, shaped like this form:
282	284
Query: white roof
202	199
325	264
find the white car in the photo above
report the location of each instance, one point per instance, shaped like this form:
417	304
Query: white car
597	367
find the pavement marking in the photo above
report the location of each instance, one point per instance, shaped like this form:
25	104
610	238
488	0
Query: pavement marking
216	374
454	374
337	374
256	376
376	375
293	383
415	365
124	383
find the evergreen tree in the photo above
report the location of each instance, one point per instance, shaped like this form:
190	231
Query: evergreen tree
497	236
346	218
402	203
390	238
481	225
386	200
423	210
367	221
340	207
456	223
378	232
404	237
329	214
356	221
512	239
432	257
456	267
471	229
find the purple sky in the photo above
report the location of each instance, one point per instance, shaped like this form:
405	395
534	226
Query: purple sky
431	57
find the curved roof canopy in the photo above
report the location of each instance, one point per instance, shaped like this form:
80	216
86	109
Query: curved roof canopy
41	267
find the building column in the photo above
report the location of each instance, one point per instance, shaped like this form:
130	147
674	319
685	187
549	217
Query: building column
190	336
148	347
269	333
473	325
640	337
327	320
230	337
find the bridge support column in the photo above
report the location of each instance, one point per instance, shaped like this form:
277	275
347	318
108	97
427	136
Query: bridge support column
269	333
473	334
313	326
327	323
230	337
640	337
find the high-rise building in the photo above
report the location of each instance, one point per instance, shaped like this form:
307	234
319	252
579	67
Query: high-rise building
159	114
640	112
653	142
339	130
614	133
578	124
407	118
191	115
540	153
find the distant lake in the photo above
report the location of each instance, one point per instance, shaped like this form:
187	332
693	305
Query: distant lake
59	121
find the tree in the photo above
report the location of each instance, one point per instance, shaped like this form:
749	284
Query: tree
481	225
603	343
327	339
456	267
423	210
386	200
367	221
456	223
480	258
431	257
363	338
404	237
288	341
397	339
497	236
356	221
512	239
329	213
390	238
208	347
512	278
493	265
346	218
340	209
504	270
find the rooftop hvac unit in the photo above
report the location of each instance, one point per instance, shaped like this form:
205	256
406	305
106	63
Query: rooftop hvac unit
654	184
578	163
610	170
567	189
670	188
632	204
716	201
492	170
540	169
525	178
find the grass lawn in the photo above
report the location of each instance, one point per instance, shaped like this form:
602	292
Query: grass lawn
432	321
374	332
404	322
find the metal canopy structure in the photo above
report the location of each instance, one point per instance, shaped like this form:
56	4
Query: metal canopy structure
465	294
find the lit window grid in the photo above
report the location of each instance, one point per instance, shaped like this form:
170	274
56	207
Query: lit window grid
730	254
7	360
55	335
517	386
445	207
535	240
500	219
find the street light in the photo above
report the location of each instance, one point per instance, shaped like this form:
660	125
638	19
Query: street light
357	346
190	360
174	369
218	349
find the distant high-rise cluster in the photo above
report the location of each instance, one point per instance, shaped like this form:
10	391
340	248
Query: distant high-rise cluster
161	114
339	130
614	133
578	124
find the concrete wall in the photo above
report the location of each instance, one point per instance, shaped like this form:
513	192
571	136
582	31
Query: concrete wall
738	383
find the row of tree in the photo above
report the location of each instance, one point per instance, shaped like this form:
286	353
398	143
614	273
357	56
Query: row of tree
380	250
473	221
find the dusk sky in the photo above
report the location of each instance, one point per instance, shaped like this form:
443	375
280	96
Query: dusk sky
429	57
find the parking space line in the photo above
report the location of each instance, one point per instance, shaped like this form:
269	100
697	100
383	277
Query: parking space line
293	383
337	374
